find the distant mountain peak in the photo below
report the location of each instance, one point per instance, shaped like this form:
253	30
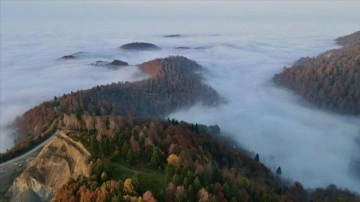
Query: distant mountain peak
139	46
156	68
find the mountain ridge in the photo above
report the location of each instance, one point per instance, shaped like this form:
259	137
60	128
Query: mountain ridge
330	80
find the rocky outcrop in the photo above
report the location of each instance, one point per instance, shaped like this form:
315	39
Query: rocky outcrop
139	46
60	160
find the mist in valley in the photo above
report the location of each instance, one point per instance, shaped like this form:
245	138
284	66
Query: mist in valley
312	146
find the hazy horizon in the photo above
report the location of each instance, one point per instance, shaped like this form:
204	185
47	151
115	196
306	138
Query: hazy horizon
243	44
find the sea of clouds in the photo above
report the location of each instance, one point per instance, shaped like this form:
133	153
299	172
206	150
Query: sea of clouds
241	44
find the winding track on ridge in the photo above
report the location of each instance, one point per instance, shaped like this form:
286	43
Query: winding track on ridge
28	153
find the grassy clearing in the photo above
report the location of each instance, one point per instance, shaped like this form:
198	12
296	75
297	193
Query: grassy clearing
148	179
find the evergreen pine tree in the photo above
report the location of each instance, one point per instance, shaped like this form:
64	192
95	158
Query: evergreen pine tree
257	158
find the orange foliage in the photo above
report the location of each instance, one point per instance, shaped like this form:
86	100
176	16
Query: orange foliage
174	160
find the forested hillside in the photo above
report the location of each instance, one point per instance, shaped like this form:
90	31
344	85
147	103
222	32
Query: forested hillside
174	83
157	160
331	80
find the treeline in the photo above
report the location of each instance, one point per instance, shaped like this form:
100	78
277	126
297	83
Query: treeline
176	161
179	86
330	80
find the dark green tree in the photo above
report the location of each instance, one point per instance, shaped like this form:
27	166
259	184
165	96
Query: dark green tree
156	157
176	179
226	190
130	157
197	184
278	171
169	172
125	148
191	193
257	158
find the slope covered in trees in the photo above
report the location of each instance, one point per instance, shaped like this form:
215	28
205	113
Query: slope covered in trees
161	160
330	80
174	83
349	40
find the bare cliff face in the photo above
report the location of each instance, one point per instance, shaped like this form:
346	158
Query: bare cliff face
60	160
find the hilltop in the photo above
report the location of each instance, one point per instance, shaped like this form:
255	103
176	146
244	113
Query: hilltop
139	46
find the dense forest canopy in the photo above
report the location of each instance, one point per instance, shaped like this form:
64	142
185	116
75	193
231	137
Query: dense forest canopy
330	80
158	160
